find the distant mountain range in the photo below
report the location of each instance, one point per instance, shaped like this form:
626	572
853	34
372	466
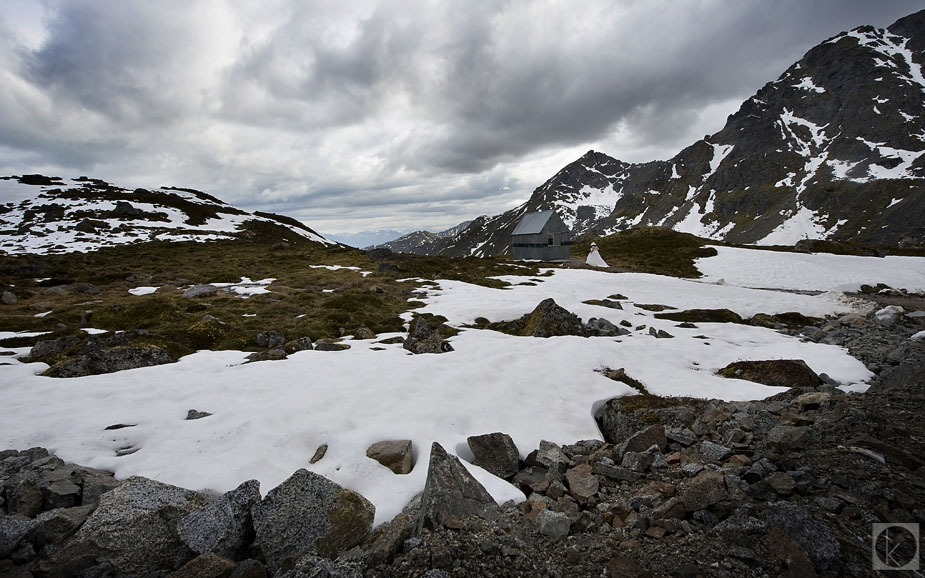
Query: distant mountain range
420	241
52	215
833	149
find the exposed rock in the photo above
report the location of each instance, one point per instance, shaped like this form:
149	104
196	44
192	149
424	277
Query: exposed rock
300	344
637	461
702	316
617	425
224	526
812	535
890	315
427	333
547	319
713	452
309	513
789	436
659	333
330	345
208	565
109	361
195	414
451	492
379	253
496	453
603	327
270	339
776	372
387	540
200	291
319	454
706	489
582	483
133	529
645	439
393	454
8	298
556	525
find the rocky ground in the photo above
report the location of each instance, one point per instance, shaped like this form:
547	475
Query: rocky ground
786	486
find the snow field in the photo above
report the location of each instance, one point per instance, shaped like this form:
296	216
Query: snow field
269	417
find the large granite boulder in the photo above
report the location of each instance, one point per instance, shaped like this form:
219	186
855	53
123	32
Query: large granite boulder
451	492
309	514
134	530
224	526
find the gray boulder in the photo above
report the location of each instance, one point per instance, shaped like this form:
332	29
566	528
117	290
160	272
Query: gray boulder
815	537
270	339
706	489
309	514
8	298
110	361
208	565
714	452
496	453
223	526
645	439
451	492
393	454
427	333
133	530
617	425
556	525
200	291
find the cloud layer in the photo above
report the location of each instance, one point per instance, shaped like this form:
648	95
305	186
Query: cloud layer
370	114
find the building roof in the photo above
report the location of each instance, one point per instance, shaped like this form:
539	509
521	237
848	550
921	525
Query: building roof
532	223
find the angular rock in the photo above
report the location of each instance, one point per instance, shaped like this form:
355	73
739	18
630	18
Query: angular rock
300	344
636	461
224	526
645	439
713	452
617	424
681	435
706	489
13	530
555	525
196	414
548	319
208	565
308	513
615	472
496	453
451	492
393	454
582	483
133	530
782	482
427	333
815	537
788	436
388	539
659	333
550	456
8	298
249	568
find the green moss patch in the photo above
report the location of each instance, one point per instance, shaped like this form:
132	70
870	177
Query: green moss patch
651	250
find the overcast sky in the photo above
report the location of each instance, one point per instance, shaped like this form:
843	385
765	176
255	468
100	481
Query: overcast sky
364	115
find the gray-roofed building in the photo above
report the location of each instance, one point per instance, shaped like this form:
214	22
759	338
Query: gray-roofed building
541	236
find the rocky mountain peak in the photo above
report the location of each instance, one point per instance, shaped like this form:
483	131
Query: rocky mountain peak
832	149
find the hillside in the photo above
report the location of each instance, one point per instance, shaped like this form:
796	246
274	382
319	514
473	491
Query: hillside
833	149
43	214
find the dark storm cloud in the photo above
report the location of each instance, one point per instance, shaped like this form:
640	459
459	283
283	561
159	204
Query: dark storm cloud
385	108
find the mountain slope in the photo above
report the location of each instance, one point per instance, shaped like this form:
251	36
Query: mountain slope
419	241
834	149
52	215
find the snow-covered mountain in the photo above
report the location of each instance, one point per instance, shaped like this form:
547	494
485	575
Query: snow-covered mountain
419	241
833	149
40	214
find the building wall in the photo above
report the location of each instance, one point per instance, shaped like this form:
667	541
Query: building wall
537	247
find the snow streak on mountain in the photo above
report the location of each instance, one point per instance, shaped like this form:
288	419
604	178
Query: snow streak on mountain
51	215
